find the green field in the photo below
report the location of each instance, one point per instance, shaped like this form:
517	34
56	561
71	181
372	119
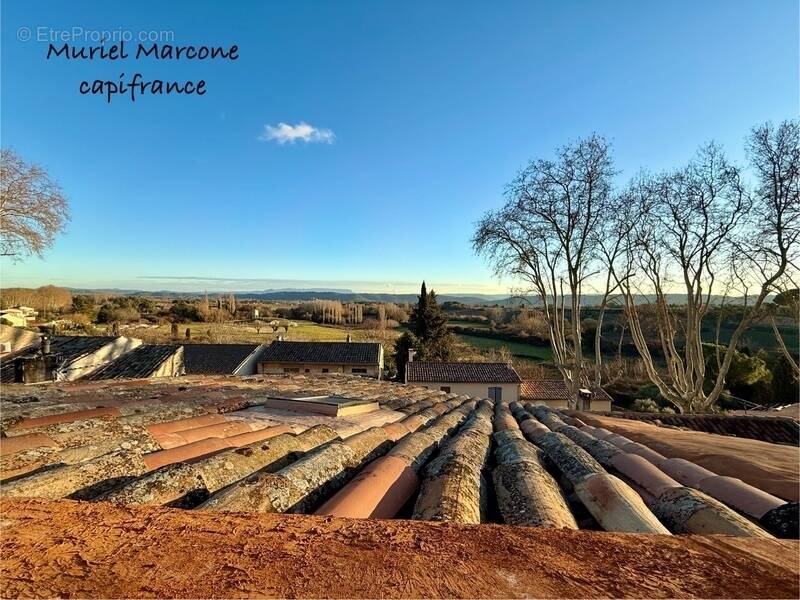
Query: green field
518	349
229	333
762	337
472	324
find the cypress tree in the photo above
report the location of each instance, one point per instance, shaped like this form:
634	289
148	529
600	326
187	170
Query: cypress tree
418	321
429	334
439	343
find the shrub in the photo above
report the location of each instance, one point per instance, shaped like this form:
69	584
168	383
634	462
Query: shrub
78	318
109	313
370	323
184	312
395	313
645	405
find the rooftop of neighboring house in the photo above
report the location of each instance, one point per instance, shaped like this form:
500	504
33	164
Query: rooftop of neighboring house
461	372
552	389
69	348
348	353
18	337
19	310
216	359
139	362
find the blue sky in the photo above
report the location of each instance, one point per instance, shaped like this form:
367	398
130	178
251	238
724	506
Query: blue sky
423	111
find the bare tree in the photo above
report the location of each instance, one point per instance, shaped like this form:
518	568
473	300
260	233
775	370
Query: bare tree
544	236
47	298
771	246
611	241
680	239
791	302
699	231
382	320
395	312
52	298
33	208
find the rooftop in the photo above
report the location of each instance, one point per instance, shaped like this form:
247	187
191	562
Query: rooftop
188	470
349	353
103	550
139	362
19	337
215	359
70	349
461	372
551	389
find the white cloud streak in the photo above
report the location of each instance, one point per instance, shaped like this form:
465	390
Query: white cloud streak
283	133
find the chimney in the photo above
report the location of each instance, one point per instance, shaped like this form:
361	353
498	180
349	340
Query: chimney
36	368
45	344
411	353
585	399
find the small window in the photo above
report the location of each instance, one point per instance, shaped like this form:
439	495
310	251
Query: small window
445	388
325	370
358	370
308	370
291	369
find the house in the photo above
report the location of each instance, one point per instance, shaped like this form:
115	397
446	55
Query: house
221	359
496	381
20	316
148	360
555	394
358	358
63	358
13	317
249	313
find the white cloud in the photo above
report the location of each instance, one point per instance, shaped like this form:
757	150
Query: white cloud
302	132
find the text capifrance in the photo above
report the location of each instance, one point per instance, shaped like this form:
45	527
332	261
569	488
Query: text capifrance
133	85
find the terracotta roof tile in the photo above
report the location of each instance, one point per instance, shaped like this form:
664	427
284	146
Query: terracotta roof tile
461	372
551	389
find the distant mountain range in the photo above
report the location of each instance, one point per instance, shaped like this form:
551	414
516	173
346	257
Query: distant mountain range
344	295
300	295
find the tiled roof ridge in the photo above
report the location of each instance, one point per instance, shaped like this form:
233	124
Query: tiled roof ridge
462	372
553	389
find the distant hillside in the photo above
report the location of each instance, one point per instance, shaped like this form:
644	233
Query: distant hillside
303	295
290	295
